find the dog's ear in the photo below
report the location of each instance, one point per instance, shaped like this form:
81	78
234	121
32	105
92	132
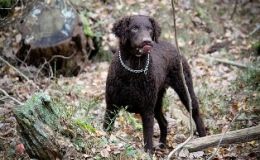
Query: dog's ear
120	28
156	30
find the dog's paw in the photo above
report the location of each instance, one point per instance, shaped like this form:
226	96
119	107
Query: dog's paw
160	146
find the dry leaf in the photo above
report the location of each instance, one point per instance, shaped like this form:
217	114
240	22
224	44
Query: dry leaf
224	129
234	108
196	155
104	153
184	153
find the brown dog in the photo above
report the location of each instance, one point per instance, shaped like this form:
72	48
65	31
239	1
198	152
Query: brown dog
140	73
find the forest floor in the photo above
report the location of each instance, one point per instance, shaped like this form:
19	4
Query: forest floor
210	35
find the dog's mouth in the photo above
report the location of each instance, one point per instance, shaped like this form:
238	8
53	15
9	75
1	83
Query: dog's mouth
144	49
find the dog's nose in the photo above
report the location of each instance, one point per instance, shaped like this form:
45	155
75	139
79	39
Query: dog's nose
147	40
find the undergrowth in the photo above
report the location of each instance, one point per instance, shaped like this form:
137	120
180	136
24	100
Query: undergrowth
221	104
83	126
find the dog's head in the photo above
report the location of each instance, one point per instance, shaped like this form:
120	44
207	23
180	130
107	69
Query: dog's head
137	32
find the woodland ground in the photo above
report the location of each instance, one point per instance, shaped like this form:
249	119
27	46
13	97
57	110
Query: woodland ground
205	29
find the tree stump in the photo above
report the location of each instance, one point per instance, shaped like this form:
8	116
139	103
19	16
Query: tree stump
39	125
52	35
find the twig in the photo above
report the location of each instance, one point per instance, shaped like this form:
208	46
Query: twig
20	73
234	10
52	58
7	132
216	151
3	138
2	98
122	139
27	54
255	30
224	61
38	72
185	86
7	95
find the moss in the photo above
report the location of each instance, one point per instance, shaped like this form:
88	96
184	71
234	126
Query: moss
6	3
251	78
86	25
256	48
39	107
103	55
85	126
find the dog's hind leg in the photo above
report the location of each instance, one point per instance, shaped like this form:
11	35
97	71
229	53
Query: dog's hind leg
177	84
161	119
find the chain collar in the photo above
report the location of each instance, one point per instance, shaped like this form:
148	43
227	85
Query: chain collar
135	70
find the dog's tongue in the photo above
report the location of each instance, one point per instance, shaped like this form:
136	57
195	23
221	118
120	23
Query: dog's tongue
147	48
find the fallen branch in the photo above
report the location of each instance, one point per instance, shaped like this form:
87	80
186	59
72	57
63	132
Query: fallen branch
255	30
223	135
237	136
234	10
224	61
8	96
48	62
3	138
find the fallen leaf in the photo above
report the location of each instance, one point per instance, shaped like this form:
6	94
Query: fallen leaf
196	154
234	108
104	153
184	153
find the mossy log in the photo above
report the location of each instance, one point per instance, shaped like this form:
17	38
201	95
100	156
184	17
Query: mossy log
39	125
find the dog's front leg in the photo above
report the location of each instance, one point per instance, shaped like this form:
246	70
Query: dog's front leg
148	122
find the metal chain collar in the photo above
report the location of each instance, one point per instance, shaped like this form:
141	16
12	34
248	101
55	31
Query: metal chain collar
135	70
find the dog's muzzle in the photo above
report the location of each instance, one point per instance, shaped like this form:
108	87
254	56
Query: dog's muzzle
144	49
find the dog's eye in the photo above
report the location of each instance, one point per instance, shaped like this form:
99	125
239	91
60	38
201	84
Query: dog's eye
149	28
134	29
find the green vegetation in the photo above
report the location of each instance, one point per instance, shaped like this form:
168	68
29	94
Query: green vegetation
86	26
47	114
6	3
251	79
242	94
133	121
79	130
256	48
166	102
85	126
8	6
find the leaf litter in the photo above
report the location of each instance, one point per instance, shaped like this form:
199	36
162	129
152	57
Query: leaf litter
205	28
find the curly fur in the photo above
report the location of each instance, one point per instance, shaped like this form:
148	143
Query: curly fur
142	93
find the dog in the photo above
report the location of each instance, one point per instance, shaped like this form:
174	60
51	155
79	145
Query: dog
139	74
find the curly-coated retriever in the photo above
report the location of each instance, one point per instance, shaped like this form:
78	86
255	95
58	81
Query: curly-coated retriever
139	74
